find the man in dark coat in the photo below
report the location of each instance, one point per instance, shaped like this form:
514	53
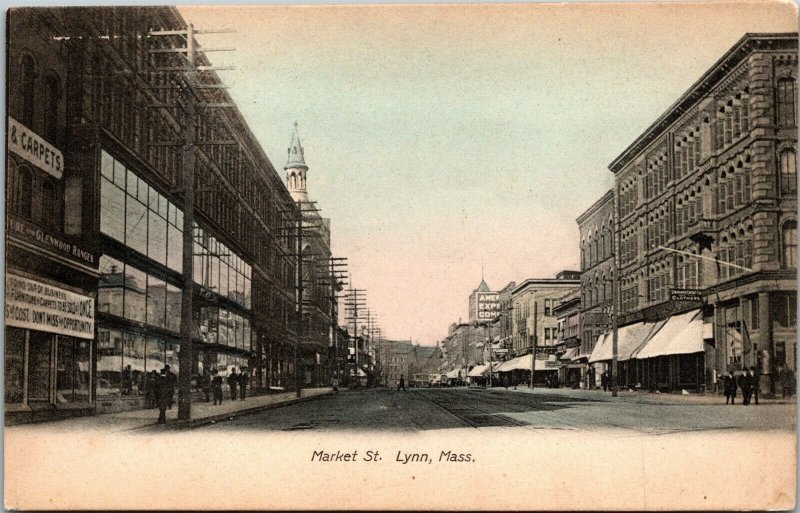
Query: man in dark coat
163	395
729	384
402	384
233	382
172	384
747	387
754	383
244	379
151	389
216	387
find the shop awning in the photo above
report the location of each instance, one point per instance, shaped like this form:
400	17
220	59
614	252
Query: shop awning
602	349
479	371
453	374
633	337
569	354
629	340
681	334
582	356
524	363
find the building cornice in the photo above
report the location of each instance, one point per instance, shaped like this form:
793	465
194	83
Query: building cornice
736	54
596	206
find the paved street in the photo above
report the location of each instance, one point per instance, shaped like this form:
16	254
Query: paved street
434	408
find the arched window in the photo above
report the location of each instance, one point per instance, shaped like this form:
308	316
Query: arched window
789	233
27	92
23	192
786	102
50	211
788	166
51	91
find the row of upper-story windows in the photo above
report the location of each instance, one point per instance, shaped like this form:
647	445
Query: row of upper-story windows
597	246
731	123
37	98
33	195
731	191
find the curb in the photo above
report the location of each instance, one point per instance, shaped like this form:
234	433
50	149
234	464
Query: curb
195	423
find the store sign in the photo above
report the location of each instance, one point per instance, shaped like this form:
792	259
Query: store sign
686	295
41	307
500	351
27	144
29	232
488	304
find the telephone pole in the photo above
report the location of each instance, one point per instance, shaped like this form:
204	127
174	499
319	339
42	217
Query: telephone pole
189	86
356	299
533	341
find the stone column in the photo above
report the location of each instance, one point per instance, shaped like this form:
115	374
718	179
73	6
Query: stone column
765	337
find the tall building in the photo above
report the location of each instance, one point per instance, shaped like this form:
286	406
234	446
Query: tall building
319	291
94	216
706	202
596	227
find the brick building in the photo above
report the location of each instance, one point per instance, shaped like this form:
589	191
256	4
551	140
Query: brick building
106	227
706	200
596	227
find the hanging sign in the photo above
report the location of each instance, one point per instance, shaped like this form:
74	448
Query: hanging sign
27	144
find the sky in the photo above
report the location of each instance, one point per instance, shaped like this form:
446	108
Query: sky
439	137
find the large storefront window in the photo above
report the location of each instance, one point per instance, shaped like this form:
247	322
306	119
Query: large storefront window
133	294
138	216
15	365
220	270
72	370
220	326
124	358
39	366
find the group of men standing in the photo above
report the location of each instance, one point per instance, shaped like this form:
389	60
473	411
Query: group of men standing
237	385
748	382
160	388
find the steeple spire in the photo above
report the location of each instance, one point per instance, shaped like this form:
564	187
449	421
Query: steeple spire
296	159
296	169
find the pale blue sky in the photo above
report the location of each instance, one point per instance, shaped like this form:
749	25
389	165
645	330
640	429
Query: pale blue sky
439	135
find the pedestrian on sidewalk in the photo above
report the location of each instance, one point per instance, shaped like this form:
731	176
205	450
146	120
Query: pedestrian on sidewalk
787	381
244	379
604	381
205	384
746	386
216	385
755	383
729	384
150	383
163	395
233	381
401	384
171	384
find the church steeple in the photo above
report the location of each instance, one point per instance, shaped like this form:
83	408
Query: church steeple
296	168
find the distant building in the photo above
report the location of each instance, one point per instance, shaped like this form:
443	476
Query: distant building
533	303
319	308
403	358
484	304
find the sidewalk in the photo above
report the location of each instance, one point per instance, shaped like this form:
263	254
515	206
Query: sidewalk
202	413
640	396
